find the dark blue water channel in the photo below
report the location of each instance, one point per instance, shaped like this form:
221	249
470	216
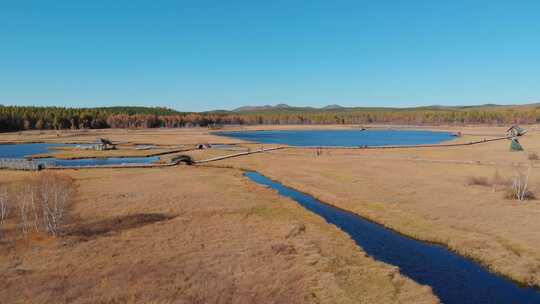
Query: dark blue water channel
342	138
454	279
88	162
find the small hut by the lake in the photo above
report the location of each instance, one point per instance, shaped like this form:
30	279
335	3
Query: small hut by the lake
515	131
104	144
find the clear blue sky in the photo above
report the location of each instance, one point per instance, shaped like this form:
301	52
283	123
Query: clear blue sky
201	55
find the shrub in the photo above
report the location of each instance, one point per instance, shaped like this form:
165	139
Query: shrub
284	249
477	181
518	188
533	156
498	182
510	193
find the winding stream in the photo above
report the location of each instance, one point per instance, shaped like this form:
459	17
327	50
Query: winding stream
454	279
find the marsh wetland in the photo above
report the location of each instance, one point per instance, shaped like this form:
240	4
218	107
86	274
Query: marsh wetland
382	235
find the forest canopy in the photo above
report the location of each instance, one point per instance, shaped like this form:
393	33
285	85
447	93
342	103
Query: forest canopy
15	118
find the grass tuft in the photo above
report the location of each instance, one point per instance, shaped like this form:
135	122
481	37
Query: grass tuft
477	181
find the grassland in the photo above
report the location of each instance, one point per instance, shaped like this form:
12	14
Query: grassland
423	193
222	235
192	235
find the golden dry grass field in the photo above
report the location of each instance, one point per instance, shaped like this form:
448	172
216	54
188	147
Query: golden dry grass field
204	233
424	193
192	235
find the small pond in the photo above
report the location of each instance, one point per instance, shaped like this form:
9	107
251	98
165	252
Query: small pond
454	279
20	151
342	138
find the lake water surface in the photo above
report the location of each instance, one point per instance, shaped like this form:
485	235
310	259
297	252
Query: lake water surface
454	279
20	151
343	138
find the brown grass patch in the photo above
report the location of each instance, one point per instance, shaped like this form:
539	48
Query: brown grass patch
477	181
227	245
424	193
116	224
285	249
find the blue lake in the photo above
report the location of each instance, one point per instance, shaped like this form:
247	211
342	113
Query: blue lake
454	279
343	138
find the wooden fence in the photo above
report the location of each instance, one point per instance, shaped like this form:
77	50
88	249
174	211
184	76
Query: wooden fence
19	164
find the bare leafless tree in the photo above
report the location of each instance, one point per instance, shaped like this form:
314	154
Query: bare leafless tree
4	209
22	204
42	202
519	186
55	195
32	207
28	208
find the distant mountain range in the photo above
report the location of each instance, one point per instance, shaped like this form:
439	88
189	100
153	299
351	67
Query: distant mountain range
332	107
282	106
259	108
336	107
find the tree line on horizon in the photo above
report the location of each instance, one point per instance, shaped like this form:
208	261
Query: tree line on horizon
16	118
